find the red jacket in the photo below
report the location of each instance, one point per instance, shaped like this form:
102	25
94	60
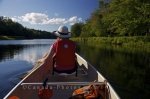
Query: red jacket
64	54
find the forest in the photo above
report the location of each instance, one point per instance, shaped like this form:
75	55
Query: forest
113	18
116	18
14	29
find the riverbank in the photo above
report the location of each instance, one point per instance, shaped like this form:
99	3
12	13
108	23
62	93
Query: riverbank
22	38
126	68
137	42
11	37
122	41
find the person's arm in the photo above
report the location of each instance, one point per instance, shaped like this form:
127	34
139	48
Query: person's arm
47	55
47	61
50	53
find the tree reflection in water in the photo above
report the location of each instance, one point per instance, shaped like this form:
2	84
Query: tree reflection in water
127	69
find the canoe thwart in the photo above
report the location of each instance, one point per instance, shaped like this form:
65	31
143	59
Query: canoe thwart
67	83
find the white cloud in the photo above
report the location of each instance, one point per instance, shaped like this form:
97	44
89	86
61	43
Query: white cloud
35	18
15	19
43	19
74	19
56	21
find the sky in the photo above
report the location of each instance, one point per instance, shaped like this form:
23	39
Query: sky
47	15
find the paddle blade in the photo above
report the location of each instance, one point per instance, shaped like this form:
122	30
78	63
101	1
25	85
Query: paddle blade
13	97
45	93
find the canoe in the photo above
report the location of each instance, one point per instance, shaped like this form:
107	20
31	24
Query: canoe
61	85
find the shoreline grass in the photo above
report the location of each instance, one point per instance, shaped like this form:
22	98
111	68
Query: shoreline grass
137	42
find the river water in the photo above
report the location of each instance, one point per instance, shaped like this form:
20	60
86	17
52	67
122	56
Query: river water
16	58
126	70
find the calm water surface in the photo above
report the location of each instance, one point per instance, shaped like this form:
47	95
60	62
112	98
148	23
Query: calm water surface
16	58
127	70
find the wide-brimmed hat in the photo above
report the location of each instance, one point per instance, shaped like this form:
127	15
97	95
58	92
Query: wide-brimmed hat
62	32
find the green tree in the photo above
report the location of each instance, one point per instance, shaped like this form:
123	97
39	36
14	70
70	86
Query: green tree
86	30
10	28
76	29
128	17
95	26
119	18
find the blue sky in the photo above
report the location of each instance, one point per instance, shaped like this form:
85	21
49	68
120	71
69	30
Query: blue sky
47	14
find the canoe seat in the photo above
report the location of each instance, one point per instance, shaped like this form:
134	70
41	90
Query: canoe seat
64	74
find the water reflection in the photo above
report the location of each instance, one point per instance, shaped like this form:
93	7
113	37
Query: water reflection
29	53
8	52
16	58
126	69
27	50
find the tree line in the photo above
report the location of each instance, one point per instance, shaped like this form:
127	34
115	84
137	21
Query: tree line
116	18
10	28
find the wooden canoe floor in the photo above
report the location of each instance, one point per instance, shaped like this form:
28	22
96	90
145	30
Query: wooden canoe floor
64	92
59	91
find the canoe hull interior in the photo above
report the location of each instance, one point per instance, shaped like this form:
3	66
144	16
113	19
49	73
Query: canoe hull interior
86	73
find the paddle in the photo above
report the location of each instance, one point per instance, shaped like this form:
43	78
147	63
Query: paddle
45	93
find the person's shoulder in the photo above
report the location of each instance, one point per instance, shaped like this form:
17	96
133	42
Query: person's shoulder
56	41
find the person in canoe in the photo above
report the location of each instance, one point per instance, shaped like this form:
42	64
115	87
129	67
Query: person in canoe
62	53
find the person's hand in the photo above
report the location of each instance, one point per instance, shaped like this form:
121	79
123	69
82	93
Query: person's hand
40	60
